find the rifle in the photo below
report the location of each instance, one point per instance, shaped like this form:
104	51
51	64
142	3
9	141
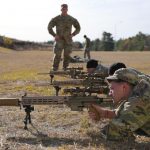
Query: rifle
86	91
91	85
76	103
84	75
87	82
72	72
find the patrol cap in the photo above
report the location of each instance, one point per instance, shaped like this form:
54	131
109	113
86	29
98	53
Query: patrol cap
64	6
124	74
92	63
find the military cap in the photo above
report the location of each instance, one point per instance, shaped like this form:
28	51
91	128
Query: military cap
92	63
64	6
124	74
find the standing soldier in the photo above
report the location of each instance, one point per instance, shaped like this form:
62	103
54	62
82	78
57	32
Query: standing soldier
63	36
87	47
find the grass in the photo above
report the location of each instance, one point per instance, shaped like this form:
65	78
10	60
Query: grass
19	75
24	80
54	127
2	49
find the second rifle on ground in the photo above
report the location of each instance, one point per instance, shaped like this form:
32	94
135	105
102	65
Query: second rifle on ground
73	72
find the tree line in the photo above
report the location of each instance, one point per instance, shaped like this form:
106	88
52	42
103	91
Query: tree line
139	42
16	44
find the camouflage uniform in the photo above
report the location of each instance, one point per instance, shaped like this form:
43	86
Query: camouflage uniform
133	113
87	48
142	75
102	69
63	26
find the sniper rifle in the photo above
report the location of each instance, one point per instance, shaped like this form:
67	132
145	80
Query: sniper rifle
76	103
72	72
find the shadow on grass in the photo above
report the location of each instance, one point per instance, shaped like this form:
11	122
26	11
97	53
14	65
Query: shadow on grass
93	139
50	141
117	145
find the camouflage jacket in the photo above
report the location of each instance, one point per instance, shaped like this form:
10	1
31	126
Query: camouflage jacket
102	69
87	44
141	75
63	26
132	114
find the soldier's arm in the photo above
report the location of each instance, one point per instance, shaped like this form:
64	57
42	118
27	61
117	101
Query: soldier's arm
76	26
136	113
101	112
51	25
118	130
133	117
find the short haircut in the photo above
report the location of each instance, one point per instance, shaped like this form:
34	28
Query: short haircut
92	63
115	67
64	5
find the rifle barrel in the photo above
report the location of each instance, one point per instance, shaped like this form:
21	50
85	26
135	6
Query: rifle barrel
75	68
43	100
98	89
9	102
68	82
85	82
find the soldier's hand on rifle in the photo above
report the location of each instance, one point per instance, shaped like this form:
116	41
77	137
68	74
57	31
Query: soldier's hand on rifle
97	112
94	113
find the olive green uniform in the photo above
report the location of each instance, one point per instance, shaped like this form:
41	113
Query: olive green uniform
87	48
63	26
102	69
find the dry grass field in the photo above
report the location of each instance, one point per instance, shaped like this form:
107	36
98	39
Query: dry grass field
55	127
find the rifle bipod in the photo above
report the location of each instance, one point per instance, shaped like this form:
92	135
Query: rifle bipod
28	109
57	88
51	76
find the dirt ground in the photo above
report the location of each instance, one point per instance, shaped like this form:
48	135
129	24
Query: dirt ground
55	127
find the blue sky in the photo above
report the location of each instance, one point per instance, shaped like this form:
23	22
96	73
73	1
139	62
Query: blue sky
28	19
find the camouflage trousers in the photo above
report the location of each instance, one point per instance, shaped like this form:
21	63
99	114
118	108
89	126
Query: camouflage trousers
59	46
87	53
